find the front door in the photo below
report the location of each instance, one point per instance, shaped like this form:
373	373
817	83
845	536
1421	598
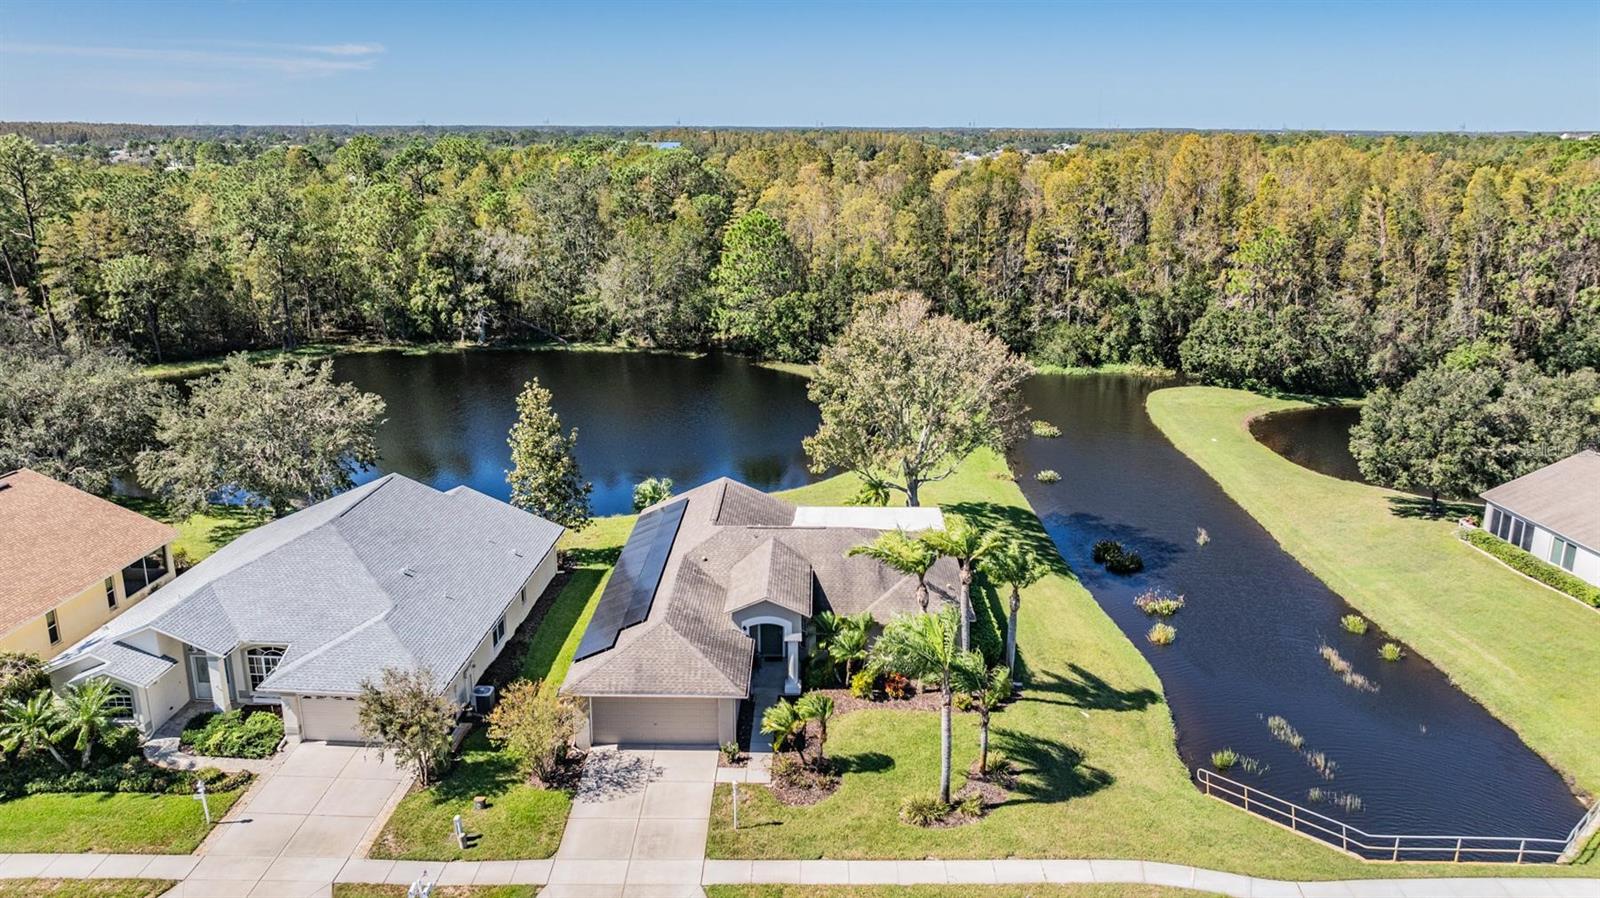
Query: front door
200	677
769	641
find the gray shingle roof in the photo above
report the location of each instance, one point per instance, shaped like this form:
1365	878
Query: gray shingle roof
128	664
391	574
1563	497
737	546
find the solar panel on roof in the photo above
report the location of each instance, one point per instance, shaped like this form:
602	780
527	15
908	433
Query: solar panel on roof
632	588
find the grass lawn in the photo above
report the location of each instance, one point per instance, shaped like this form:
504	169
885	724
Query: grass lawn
85	888
104	822
204	532
363	890
1074	890
1528	654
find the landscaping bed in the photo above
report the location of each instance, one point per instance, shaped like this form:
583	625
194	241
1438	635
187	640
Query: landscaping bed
254	731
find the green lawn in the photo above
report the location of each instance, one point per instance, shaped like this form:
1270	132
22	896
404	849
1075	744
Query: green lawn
204	532
1084	890
107	822
85	888
1528	654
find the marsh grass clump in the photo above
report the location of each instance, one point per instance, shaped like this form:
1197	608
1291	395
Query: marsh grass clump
1158	603
1045	429
1224	758
1353	623
1391	651
1321	763
1126	563
1338	665
1348	801
1162	634
1252	766
1048	475
1104	550
1201	537
1283	732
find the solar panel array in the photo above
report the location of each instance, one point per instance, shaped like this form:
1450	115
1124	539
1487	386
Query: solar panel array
633	584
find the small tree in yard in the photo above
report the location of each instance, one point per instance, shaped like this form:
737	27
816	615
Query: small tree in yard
924	646
968	545
818	707
544	473
404	712
86	716
651	490
905	396
536	726
21	676
784	724
904	554
988	687
1018	567
28	726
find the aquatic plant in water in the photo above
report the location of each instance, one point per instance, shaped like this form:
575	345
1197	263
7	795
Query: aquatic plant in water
1158	602
1223	758
1283	732
1201	537
1353	623
1391	652
1048	476
1162	634
1321	763
1045	429
1253	766
1338	665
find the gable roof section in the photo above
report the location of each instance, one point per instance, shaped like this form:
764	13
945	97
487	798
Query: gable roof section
60	541
1563	497
772	572
390	574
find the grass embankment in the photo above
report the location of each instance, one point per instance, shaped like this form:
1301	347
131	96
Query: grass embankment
107	822
1528	654
320	351
1059	890
84	888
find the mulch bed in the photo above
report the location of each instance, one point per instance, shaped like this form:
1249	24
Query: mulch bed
807	788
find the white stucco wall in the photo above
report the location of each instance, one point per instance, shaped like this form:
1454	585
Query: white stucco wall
1586	563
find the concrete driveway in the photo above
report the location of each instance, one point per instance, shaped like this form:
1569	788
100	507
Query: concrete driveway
293	832
638	825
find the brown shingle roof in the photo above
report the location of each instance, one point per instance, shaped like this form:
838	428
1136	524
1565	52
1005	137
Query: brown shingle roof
1563	497
59	541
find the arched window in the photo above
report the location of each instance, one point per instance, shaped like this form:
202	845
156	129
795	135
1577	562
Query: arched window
119	701
260	662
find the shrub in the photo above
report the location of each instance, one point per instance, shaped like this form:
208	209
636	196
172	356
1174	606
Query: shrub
1104	550
923	810
1162	634
650	491
1045	429
406	714
21	676
1527	564
1126	563
864	684
535	726
1353	623
1391	652
961	701
1157	603
1224	758
1048	476
730	752
234	734
897	686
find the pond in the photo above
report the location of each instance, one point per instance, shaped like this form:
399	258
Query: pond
638	415
1317	438
1422	757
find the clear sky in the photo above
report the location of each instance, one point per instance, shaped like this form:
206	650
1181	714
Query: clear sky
1358	65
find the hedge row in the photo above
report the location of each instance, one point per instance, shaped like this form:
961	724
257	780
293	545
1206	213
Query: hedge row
139	776
1526	563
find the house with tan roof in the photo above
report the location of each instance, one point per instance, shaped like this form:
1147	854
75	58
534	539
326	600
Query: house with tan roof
1553	513
717	585
70	562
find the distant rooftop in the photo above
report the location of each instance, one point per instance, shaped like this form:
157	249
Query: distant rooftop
1563	497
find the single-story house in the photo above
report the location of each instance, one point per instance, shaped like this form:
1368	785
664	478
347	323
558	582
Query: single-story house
301	611
1553	513
716	581
70	561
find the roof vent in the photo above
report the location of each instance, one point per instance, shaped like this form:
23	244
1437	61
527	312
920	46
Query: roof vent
407	572
517	552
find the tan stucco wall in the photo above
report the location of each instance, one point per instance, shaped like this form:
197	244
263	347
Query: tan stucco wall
77	617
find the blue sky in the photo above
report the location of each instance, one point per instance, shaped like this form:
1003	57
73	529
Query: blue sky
1384	66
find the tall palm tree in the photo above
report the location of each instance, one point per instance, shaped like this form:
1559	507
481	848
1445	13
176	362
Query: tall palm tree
86	714
818	707
988	687
924	646
28	726
784	724
904	554
1018	567
967	544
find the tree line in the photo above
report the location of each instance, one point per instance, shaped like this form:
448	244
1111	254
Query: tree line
1304	263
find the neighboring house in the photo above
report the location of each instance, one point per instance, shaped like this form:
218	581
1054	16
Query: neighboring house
1553	513
70	561
303	610
717	580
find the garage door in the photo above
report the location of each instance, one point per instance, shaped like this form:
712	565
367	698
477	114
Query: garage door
661	721
329	719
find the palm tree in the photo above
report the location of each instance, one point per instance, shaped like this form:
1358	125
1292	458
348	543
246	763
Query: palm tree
924	646
849	647
783	723
1018	567
904	554
28	726
968	545
818	707
988	687
86	714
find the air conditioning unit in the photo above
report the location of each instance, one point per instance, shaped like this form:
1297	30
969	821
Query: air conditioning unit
483	699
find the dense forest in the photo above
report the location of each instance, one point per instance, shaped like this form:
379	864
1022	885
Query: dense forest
1303	262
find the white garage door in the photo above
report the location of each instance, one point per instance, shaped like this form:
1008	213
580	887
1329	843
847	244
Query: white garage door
329	719
660	721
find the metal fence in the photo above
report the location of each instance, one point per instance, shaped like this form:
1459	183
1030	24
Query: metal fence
1386	847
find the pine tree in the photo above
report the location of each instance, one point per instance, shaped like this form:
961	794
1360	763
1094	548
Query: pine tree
544	474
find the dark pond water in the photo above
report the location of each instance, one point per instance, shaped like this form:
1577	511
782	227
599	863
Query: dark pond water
638	415
1422	757
1315	438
